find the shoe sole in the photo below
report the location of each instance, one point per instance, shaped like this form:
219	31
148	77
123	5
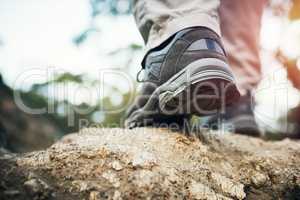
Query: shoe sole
203	88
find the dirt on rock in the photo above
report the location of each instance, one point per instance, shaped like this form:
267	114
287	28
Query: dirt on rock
153	164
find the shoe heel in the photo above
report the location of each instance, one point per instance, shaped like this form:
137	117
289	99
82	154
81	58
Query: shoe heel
202	93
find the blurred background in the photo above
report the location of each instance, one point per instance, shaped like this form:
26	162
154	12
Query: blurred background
47	46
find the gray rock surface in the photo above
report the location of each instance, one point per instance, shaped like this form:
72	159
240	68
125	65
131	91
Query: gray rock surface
154	164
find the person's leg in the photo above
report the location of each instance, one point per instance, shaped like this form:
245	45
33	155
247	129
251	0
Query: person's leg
186	70
157	20
240	22
240	26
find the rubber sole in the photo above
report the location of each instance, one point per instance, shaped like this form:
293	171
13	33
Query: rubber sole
203	88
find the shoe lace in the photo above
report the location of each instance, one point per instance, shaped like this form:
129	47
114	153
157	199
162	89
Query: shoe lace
138	76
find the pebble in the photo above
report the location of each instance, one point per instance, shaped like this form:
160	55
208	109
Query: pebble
259	179
112	178
227	186
94	195
37	187
117	195
116	165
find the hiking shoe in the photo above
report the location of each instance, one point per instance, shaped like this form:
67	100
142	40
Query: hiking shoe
186	75
238	118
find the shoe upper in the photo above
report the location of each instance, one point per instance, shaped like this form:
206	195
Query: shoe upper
185	47
163	62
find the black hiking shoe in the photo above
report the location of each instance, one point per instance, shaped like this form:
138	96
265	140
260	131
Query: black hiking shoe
239	118
186	75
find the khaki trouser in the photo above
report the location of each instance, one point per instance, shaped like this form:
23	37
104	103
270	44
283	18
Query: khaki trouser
238	21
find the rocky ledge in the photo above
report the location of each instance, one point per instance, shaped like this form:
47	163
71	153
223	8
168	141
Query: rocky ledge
154	164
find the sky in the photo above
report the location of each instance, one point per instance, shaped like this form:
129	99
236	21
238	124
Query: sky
39	33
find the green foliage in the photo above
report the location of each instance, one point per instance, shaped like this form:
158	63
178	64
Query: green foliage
135	47
68	77
114	7
82	37
132	48
61	78
64	110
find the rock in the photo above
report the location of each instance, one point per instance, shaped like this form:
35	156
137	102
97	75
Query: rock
200	191
227	186
117	195
6	155
116	165
112	178
154	164
94	195
259	179
37	188
144	178
144	160
33	186
81	185
32	176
